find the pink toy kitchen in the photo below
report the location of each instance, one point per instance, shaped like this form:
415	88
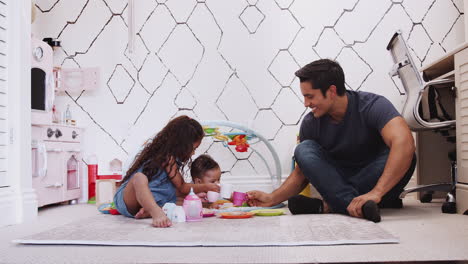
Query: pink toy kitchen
57	159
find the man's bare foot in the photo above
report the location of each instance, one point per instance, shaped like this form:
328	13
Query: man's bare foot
142	214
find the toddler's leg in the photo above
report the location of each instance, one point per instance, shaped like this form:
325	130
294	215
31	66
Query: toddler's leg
142	214
130	193
140	201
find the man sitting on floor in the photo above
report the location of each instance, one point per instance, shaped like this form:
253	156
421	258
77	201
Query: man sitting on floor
355	149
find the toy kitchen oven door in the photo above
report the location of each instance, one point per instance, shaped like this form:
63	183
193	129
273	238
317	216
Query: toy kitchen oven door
57	163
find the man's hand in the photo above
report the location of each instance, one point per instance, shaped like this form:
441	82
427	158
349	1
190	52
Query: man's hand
259	198
355	207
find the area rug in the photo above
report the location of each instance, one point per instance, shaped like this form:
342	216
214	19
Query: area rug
285	230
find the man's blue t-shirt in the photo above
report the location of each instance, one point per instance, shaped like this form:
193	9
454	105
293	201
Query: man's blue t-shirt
355	140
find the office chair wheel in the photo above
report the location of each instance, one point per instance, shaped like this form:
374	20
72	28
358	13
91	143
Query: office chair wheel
426	198
449	208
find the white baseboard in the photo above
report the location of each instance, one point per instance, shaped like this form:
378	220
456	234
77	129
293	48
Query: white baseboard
8	206
29	205
245	183
17	207
250	187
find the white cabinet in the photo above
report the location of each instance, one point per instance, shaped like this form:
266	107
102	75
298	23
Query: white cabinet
57	163
461	82
455	63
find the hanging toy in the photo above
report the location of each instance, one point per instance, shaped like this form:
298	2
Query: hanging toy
240	142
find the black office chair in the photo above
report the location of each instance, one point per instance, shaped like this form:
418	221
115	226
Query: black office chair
423	111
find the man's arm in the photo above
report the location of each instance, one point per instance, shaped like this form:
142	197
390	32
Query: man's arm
293	185
399	139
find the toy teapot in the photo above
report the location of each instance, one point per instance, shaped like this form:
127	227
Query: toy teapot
174	213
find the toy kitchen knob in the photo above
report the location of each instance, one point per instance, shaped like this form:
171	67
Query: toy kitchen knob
74	134
50	132
58	133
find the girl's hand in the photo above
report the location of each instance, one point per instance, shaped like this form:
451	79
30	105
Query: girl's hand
212	187
202	197
161	220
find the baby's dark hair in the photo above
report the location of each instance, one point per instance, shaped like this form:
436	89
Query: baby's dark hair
202	164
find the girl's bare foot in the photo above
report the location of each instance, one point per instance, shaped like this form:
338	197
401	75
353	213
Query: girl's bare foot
142	214
161	221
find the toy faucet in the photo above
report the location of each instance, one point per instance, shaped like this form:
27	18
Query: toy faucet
193	207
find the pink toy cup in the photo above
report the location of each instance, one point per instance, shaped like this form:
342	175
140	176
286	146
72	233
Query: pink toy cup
212	196
238	198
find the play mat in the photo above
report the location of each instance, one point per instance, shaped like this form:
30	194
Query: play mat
283	230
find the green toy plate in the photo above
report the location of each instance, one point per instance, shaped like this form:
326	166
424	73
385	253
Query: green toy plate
268	212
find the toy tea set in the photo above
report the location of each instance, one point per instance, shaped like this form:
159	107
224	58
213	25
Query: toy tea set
192	209
223	208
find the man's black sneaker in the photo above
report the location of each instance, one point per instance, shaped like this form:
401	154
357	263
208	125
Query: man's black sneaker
394	203
371	211
300	204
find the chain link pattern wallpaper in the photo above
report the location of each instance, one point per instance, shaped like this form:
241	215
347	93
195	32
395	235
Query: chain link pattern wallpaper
229	60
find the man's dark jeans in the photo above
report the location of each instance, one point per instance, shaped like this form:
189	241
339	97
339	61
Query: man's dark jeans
338	185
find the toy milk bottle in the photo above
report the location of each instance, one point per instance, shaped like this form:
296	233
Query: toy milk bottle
68	116
193	207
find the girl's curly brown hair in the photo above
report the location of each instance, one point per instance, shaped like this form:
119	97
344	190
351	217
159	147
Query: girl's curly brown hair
174	143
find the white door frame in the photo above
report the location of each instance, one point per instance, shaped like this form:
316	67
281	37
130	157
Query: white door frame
18	202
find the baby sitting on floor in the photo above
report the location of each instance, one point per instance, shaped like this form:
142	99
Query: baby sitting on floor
204	169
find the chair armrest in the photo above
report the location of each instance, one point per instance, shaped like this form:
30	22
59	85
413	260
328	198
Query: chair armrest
437	81
431	125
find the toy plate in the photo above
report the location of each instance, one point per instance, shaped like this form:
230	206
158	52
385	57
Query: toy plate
236	215
105	208
208	213
268	212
